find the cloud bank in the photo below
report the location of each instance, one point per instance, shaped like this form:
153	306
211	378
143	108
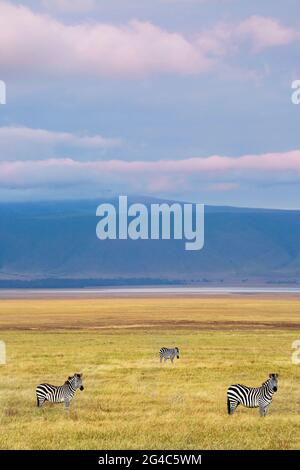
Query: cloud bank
32	42
26	143
218	173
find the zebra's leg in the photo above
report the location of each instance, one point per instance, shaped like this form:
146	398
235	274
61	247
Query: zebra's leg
67	404
263	410
232	406
160	359
172	360
40	401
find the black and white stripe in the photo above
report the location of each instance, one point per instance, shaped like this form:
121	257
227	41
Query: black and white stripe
59	394
167	353
260	397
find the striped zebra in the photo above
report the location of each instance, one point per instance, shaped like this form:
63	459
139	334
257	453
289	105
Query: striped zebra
167	353
59	394
260	397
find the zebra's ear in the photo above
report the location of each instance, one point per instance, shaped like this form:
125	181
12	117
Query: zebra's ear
69	378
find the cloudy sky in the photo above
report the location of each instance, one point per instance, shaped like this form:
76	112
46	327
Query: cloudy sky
182	99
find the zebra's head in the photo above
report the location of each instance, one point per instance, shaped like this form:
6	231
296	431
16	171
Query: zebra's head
76	381
273	382
177	352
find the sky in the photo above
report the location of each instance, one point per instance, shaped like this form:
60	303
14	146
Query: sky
179	99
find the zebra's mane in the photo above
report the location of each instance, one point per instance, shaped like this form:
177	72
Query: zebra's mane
267	382
69	380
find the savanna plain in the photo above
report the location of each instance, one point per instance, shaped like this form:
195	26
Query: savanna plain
131	401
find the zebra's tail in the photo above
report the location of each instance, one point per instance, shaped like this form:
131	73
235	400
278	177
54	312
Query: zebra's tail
228	406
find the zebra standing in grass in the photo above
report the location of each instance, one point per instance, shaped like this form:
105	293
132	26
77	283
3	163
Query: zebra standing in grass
260	397
166	353
59	394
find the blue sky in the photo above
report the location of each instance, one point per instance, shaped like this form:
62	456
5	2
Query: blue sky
183	99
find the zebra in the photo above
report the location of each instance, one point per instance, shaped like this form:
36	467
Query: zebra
260	397
59	394
167	353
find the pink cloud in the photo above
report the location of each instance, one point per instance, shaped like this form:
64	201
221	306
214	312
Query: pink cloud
221	173
38	43
11	135
266	32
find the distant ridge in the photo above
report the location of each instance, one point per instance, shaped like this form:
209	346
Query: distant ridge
53	244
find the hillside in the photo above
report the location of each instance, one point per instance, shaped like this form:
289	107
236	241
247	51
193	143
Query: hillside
54	244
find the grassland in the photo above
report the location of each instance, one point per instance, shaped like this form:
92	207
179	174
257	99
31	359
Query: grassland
130	400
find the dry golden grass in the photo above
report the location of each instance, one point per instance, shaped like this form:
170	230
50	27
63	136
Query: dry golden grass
130	400
244	312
